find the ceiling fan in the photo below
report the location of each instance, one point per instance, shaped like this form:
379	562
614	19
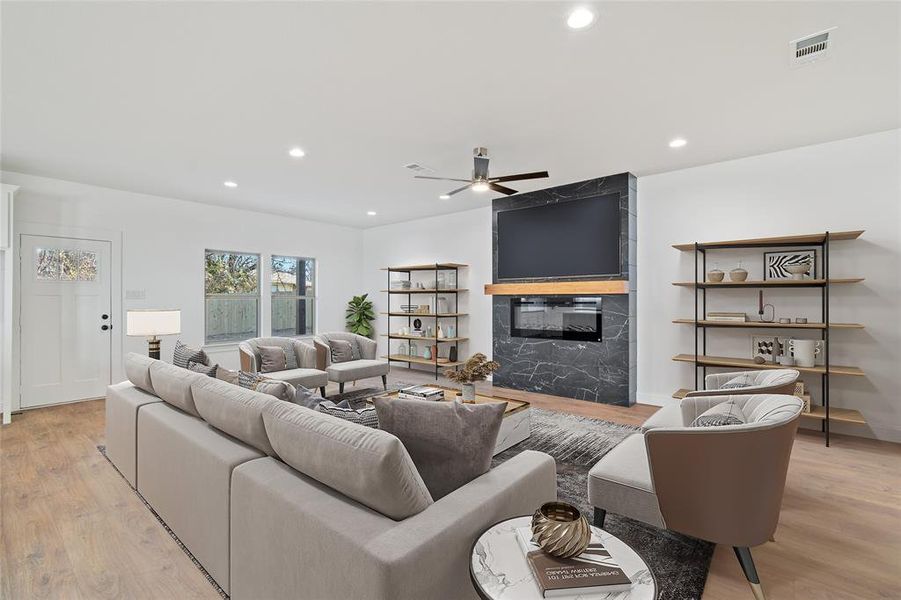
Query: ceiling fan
480	181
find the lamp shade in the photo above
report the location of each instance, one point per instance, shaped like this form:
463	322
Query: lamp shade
152	322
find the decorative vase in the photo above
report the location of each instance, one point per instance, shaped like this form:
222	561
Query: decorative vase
738	274
452	354
440	332
715	275
427	353
798	271
469	392
560	529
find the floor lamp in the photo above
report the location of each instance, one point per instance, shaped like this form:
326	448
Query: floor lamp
151	323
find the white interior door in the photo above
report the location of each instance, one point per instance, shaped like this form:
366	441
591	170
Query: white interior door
66	320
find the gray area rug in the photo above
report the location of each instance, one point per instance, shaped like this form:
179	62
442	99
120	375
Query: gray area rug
679	563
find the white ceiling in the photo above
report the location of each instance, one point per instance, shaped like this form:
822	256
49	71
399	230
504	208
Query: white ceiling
175	98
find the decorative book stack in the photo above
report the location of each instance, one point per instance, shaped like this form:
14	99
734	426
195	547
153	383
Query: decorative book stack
592	572
727	316
421	392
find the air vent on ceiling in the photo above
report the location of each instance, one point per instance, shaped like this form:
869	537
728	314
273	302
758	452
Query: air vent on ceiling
419	168
811	48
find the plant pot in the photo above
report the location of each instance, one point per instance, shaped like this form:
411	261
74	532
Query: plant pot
469	392
560	529
738	275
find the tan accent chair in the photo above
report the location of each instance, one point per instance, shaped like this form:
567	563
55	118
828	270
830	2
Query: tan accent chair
722	484
363	368
301	358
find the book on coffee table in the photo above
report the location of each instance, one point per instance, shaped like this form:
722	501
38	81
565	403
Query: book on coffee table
592	572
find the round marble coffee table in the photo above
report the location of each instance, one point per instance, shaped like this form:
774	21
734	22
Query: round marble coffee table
499	570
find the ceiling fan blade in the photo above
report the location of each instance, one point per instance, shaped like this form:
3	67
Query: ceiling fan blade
521	176
440	178
501	189
458	190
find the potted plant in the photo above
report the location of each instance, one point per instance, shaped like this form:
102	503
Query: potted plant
359	316
476	368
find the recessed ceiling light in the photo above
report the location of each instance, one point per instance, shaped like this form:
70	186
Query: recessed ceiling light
480	186
230	184
580	18
297	152
677	143
371	213
444	196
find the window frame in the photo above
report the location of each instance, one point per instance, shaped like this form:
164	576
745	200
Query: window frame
258	296
297	297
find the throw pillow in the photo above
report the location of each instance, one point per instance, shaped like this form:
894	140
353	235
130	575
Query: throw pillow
341	351
451	443
272	358
307	397
280	389
742	381
355	350
726	413
248	380
227	375
366	416
197	367
184	354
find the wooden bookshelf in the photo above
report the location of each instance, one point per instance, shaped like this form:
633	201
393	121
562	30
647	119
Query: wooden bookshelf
762	325
397	336
781	283
428	267
782	240
440	315
418	360
426	291
746	363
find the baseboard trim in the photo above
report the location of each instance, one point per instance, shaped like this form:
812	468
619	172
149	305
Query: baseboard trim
654	399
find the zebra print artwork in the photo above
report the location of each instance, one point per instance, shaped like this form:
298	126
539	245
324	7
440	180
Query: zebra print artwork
774	263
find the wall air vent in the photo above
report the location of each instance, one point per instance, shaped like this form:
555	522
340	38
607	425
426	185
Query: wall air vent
419	168
811	48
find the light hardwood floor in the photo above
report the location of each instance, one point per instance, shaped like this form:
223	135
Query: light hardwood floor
72	528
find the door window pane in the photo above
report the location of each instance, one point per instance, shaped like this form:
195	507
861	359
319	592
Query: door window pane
46	263
56	264
232	286
293	299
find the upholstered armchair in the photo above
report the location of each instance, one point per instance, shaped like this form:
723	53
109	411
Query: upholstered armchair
723	484
362	365
300	357
770	381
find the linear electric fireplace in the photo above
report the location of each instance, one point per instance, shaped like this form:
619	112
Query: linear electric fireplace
556	317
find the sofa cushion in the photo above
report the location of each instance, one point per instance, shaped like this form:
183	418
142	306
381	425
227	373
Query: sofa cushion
273	358
365	464
208	370
173	385
725	413
357	369
309	378
137	369
235	411
364	416
341	350
185	354
451	443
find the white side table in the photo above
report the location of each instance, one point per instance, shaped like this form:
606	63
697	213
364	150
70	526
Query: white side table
499	570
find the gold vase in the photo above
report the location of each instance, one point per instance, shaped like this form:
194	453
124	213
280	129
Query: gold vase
560	529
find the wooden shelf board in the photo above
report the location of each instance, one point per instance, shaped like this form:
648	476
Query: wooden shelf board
420	361
747	363
808	238
607	286
430	267
397	336
789	283
403	314
427	291
843	415
760	325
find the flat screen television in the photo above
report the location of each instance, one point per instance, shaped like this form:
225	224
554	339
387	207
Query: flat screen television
567	239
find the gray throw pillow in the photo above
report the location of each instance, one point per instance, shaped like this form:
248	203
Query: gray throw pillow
184	355
227	375
341	351
726	413
280	389
272	358
197	367
451	443
307	397
365	416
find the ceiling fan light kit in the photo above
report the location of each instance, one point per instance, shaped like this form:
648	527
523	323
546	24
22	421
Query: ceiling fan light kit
481	181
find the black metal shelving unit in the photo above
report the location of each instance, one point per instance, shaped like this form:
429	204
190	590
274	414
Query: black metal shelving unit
435	293
817	241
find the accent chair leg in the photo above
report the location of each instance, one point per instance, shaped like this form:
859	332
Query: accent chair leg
385	381
743	554
340	388
322	391
599	516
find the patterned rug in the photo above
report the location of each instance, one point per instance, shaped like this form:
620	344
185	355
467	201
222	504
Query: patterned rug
679	563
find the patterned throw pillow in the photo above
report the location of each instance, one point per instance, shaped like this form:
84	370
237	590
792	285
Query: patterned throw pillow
341	351
184	355
726	413
248	380
365	416
272	358
742	381
197	367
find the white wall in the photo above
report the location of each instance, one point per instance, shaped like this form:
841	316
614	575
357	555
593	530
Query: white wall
463	237
164	242
843	185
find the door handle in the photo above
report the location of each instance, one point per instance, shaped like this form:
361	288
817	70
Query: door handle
105	327
104	317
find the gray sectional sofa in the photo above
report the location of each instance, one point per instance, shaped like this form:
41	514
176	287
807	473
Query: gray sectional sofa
279	501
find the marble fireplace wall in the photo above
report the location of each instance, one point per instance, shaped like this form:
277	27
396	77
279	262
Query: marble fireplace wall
595	371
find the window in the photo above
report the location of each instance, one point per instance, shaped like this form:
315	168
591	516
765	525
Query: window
293	296
232	283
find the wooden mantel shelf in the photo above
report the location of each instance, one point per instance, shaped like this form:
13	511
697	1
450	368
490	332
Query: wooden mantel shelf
614	286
